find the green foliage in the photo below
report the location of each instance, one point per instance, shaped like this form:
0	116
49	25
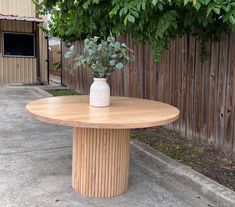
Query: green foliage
63	92
154	21
56	66
103	57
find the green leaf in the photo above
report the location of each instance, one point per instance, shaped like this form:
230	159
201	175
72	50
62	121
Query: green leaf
135	13
143	5
216	10
123	11
96	1
117	45
131	18
119	66
113	12
160	7
227	8
186	2
124	45
125	20
154	2
99	47
209	10
132	58
70	52
232	20
112	62
204	2
86	4
197	5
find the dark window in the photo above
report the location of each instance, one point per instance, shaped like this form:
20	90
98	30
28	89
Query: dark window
17	44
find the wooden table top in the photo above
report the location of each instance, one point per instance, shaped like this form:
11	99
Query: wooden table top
123	113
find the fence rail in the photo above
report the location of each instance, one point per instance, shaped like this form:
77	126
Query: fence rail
204	93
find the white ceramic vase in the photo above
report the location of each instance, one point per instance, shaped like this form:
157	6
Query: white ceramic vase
100	93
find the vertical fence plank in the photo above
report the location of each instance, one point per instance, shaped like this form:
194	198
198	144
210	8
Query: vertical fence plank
171	73
153	73
167	96
162	70
197	94
205	94
213	91
190	86
155	86
178	79
146	73
166	82
221	90
184	66
229	105
139	68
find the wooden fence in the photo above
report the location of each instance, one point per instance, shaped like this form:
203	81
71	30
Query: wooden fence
204	93
55	60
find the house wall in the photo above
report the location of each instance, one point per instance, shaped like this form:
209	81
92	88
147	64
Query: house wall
17	7
22	70
16	69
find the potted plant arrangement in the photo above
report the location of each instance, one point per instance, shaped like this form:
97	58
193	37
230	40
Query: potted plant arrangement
102	57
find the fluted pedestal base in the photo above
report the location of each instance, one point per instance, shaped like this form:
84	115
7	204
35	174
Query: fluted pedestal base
100	161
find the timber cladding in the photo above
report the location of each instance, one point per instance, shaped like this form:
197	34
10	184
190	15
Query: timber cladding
204	93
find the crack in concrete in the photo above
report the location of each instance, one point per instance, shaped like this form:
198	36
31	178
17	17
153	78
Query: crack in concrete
40	150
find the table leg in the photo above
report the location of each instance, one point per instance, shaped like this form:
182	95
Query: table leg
100	161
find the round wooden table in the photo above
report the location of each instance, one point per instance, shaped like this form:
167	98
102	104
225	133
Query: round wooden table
101	137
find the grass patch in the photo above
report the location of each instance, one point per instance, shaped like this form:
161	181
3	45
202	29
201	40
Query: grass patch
207	160
63	92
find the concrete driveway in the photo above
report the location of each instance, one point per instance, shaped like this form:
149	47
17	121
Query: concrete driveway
35	165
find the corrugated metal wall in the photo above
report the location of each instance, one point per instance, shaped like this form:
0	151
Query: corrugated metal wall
17	7
16	69
21	70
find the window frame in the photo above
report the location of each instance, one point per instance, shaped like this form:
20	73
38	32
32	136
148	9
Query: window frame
19	56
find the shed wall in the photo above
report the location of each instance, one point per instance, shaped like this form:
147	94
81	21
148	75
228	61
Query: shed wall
17	7
22	70
16	69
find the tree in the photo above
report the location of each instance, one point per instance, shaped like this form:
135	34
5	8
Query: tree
154	21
